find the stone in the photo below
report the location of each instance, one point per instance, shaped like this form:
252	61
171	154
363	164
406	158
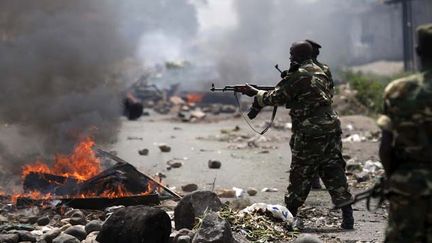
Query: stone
78	221
91	238
194	205
94	225
240	203
174	163
143	152
4	219
42	221
353	166
51	235
214	230
136	224
189	187
362	176
65	238
183	239
251	191
307	238
25	236
164	148
75	213
77	231
214	164
9	238
226	193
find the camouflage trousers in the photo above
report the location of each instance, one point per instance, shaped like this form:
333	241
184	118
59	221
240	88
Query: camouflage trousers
410	219
313	156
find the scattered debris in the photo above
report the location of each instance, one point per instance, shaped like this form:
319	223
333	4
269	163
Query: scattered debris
143	152
226	193
214	164
174	163
189	187
164	148
266	189
251	191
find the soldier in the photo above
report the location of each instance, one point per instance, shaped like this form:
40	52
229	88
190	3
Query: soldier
406	149
316	141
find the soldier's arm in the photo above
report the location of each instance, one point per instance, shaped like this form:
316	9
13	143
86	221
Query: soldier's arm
282	94
386	148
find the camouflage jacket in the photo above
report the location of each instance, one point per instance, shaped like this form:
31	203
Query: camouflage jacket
327	71
308	94
408	116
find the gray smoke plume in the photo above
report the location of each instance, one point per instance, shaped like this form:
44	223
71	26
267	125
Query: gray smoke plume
57	76
63	64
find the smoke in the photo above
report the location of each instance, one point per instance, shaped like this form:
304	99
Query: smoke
57	73
64	65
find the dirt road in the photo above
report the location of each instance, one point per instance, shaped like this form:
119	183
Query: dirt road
248	160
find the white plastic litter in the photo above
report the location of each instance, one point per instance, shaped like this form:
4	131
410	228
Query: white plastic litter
277	211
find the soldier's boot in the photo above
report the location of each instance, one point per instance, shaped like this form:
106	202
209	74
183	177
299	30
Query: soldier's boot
347	218
297	223
316	183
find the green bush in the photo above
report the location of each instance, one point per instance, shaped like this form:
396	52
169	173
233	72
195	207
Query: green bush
369	87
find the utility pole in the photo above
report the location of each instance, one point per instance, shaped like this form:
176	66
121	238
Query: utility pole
407	32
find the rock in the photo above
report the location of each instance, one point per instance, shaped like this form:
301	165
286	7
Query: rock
251	191
362	176
42	221
183	239
189	187
136	224
77	231
25	236
266	189
174	163
198	114
91	238
307	238
51	235
240	203
213	230
75	213
353	166
164	148
94	225
214	164
143	152
182	235
65	238
194	205
78	221
9	238
226	193
3	219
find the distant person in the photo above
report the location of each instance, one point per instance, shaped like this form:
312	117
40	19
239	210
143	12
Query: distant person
406	149
316	142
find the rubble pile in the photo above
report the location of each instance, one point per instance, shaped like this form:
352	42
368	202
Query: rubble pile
239	140
346	103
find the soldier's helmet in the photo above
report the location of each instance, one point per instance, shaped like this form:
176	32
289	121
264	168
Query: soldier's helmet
301	51
315	47
424	46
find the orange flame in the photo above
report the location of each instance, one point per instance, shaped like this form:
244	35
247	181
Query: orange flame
82	164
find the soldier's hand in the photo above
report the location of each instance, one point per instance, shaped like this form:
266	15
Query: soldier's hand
249	90
284	73
254	110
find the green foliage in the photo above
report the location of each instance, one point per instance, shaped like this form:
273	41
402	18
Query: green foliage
369	87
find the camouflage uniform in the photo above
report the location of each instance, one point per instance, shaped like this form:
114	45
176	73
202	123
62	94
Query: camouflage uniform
316	141
408	117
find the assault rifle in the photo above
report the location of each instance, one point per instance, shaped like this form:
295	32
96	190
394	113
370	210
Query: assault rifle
239	88
254	110
377	191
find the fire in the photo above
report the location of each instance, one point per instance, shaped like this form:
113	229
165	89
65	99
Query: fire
194	97
81	164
